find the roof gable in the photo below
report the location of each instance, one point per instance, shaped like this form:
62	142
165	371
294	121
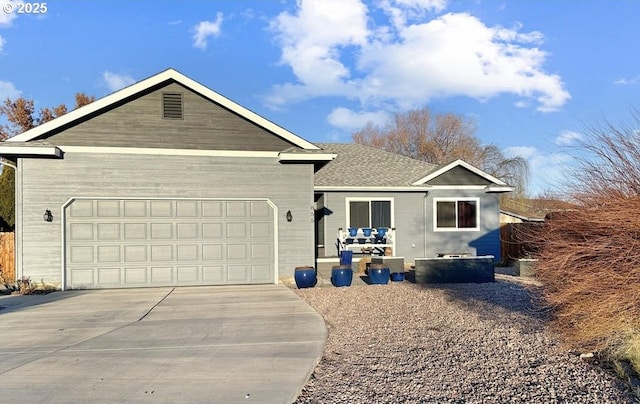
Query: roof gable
139	123
459	172
147	87
359	167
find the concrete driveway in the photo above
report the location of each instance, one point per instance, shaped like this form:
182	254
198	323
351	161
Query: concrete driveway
224	344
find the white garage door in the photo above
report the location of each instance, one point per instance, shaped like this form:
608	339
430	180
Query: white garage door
114	243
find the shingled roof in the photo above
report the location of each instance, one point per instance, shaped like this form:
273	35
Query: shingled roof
358	165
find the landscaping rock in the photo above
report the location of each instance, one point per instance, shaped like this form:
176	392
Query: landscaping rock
448	343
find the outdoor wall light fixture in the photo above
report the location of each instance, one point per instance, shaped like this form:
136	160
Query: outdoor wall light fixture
289	216
48	216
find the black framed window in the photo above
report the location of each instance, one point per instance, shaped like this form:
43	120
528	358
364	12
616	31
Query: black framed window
456	214
370	213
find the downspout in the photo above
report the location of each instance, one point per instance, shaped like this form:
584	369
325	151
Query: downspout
426	223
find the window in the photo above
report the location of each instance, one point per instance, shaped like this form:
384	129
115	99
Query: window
456	214
369	212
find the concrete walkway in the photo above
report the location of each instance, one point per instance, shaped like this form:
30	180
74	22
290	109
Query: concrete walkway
225	344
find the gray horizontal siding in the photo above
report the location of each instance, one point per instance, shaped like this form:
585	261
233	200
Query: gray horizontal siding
409	220
459	176
415	237
139	123
48	184
485	241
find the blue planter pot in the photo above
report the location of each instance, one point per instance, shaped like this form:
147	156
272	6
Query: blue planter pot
353	231
379	274
346	256
397	277
341	275
305	277
366	231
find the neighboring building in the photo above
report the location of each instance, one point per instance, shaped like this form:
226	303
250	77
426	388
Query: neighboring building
166	182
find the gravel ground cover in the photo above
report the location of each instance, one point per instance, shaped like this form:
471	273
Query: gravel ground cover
454	343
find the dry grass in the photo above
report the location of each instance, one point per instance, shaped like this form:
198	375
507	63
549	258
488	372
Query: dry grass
590	257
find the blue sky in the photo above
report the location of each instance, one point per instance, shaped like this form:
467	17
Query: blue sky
531	73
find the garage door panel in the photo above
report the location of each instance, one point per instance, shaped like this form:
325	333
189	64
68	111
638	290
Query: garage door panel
135	208
135	253
81	231
135	275
161	253
82	277
108	231
187	253
187	230
236	209
213	273
212	208
187	209
108	208
133	243
81	254
260	272
135	231
160	275
108	253
188	274
212	252
161	208
161	231
237	273
212	231
109	276
81	208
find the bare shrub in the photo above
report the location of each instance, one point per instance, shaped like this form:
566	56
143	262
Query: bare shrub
590	256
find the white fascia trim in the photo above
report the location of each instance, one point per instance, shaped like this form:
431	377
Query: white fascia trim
460	187
371	189
306	157
464	164
31	151
521	217
491	189
169	152
169	74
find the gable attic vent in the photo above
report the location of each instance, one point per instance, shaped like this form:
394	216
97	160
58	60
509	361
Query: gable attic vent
172	106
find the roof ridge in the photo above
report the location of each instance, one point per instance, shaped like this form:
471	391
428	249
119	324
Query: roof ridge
389	153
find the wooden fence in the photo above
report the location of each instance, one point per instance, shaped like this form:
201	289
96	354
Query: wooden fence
514	241
7	262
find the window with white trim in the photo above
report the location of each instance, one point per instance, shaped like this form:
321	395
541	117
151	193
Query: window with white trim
456	214
365	212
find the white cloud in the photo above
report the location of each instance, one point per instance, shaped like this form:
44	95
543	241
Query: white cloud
568	138
2	42
349	120
311	41
115	81
206	29
8	90
400	11
628	81
547	170
408	63
6	19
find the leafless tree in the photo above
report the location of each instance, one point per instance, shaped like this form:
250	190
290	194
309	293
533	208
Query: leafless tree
441	138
